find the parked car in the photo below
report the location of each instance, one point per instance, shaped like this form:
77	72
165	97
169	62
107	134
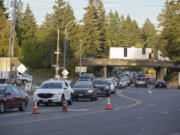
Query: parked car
111	85
141	81
83	90
103	87
12	97
54	91
160	84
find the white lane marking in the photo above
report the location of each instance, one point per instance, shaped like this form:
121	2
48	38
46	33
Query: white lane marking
78	110
150	91
165	112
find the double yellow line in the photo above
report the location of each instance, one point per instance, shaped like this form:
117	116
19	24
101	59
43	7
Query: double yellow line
137	102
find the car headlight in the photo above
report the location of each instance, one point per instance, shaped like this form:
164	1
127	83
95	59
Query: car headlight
72	91
90	91
106	87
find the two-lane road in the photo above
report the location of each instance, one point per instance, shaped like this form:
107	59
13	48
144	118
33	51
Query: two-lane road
136	111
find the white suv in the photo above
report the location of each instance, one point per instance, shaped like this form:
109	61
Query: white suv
53	91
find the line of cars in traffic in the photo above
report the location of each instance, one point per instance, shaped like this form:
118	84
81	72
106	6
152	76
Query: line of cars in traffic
56	91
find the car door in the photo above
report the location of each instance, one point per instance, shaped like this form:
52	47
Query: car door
9	98
17	96
66	91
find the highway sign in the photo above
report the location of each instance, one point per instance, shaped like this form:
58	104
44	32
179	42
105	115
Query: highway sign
81	69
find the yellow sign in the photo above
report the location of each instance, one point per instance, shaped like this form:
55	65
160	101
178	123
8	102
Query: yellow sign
133	64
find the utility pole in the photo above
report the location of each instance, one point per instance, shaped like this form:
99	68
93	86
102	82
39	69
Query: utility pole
80	56
57	57
16	5
65	46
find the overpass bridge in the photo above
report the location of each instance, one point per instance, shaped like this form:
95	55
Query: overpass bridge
159	65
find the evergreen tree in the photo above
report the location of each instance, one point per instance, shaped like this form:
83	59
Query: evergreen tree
150	37
170	34
113	29
102	27
129	34
91	43
27	36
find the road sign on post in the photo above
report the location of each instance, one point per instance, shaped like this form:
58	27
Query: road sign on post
65	73
81	69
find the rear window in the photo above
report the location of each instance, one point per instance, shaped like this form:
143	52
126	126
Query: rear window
51	85
2	89
101	82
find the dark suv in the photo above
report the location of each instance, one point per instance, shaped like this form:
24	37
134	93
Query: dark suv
86	77
12	97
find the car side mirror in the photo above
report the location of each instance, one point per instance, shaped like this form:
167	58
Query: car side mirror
8	94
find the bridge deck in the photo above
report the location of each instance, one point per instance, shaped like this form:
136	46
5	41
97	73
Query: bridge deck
120	62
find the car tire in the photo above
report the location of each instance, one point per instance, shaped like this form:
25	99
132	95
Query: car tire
2	107
70	100
76	99
23	106
145	86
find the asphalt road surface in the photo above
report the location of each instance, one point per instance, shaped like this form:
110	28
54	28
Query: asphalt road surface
136	111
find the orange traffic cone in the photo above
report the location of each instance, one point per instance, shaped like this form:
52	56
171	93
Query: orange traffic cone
108	106
35	109
64	107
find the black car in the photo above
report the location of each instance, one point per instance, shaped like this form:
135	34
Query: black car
86	77
160	84
12	97
84	90
103	87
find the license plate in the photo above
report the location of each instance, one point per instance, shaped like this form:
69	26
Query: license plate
80	95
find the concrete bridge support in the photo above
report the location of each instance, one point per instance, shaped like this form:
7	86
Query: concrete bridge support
160	73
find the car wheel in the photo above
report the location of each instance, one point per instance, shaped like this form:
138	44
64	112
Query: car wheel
145	86
2	107
76	99
70	100
23	106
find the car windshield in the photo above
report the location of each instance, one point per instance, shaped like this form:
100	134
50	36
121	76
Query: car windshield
160	81
83	85
100	82
51	85
85	77
2	88
141	79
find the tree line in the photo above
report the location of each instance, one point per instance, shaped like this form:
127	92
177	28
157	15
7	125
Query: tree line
96	32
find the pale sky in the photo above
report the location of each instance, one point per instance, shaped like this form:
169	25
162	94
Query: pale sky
137	9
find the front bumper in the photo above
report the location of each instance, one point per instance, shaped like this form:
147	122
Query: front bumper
53	99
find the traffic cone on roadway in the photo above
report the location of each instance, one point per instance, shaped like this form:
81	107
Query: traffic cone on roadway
35	108
108	106
64	107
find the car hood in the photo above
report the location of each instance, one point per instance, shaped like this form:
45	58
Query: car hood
85	89
101	86
53	91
